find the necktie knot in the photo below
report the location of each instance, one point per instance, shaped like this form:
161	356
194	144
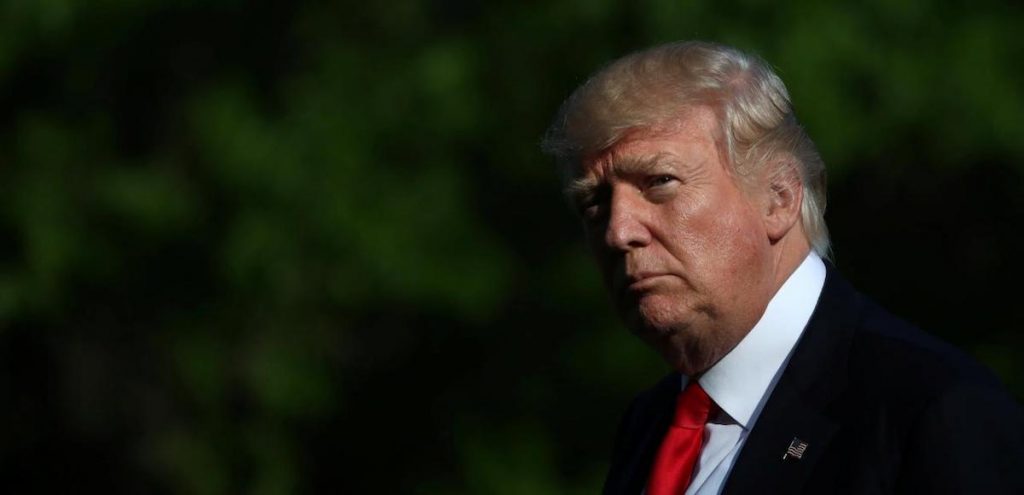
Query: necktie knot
693	406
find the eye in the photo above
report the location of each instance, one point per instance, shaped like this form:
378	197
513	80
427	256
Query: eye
659	180
591	207
592	202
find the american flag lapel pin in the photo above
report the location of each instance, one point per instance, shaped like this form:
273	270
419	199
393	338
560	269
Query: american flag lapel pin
796	449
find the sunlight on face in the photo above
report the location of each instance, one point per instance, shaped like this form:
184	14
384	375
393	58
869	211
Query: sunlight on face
683	250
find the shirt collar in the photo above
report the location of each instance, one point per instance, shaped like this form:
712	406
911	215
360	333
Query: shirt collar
740	381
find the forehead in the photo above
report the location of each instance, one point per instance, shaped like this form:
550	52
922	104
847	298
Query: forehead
692	137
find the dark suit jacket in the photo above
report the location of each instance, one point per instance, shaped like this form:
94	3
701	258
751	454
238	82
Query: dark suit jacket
882	406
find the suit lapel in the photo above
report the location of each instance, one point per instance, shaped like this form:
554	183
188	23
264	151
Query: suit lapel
797	412
658	416
765	467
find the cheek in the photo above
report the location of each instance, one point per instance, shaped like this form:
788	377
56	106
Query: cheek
705	231
594	238
721	241
604	259
739	234
741	251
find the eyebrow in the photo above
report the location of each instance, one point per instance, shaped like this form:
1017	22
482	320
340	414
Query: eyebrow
643	165
580	187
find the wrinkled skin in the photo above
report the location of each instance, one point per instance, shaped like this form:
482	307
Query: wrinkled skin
690	257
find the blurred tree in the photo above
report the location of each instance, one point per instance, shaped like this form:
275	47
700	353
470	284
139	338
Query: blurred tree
280	247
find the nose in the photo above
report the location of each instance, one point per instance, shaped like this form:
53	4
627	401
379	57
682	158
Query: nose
626	228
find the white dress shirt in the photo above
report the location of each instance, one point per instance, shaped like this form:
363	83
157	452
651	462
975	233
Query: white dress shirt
741	382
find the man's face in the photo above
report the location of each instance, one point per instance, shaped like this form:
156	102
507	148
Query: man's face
683	250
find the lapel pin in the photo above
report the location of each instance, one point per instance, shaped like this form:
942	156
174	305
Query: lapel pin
796	449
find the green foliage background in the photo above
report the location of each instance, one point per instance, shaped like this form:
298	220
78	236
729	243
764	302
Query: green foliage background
309	246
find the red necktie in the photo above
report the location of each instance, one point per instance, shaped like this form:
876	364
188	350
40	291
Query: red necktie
670	474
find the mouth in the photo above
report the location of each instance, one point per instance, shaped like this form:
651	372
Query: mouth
642	282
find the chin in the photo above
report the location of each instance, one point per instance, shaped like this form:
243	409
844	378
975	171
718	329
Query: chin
674	336
662	314
660	332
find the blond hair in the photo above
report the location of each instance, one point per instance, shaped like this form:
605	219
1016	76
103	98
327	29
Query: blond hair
651	88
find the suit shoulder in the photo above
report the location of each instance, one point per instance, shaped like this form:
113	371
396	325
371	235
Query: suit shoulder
958	429
904	360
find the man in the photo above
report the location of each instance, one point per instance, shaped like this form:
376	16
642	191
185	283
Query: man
702	200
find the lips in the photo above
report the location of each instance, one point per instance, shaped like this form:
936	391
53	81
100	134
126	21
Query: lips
643	281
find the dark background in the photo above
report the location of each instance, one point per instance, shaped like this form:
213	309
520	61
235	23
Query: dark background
310	246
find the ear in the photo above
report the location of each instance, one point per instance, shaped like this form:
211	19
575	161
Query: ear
784	196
